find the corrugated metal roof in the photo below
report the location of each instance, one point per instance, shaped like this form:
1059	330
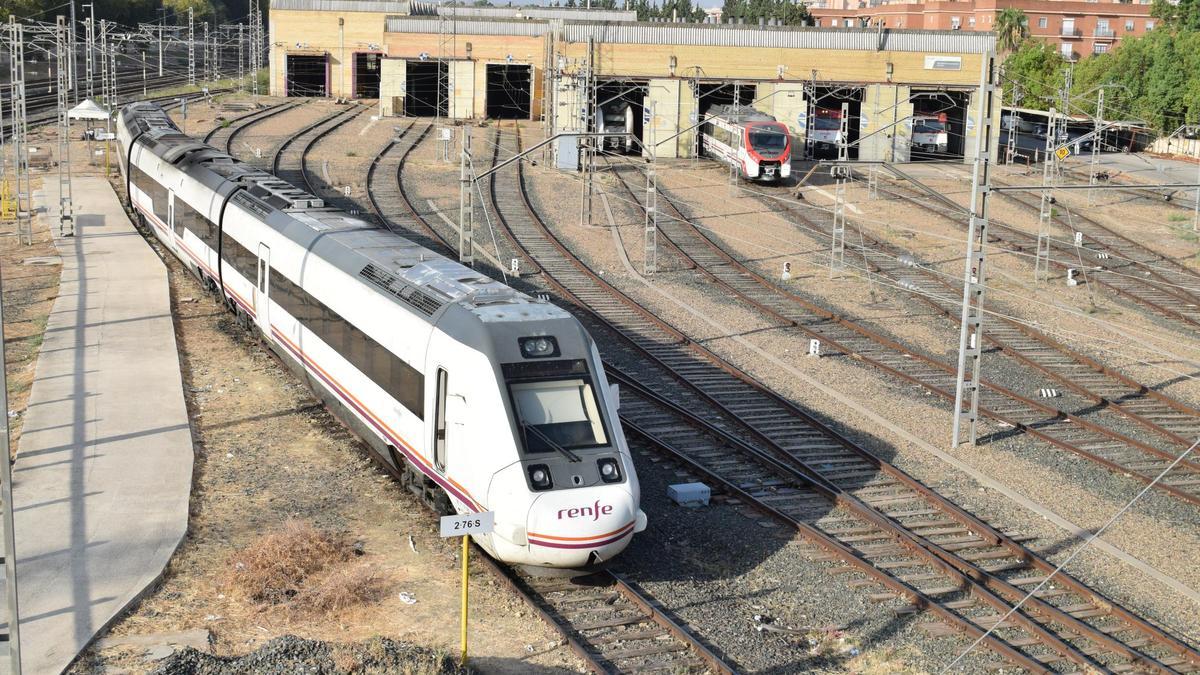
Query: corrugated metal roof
724	35
566	13
479	26
380	6
715	35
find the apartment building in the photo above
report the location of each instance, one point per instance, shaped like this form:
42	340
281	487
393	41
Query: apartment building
1076	29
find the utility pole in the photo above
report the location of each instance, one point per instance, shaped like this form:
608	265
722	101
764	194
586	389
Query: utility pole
1061	133
970	338
89	41
160	47
143	74
589	151
1014	129
241	57
105	94
12	615
71	50
650	224
20	130
466	203
207	61
1041	263
256	44
1092	178
837	251
66	218
191	49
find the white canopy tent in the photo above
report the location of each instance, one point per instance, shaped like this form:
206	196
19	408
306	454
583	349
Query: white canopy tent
88	110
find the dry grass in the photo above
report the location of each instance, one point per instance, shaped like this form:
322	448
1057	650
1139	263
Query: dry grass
282	565
885	662
342	588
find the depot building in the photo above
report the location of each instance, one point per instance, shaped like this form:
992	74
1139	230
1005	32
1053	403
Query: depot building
472	63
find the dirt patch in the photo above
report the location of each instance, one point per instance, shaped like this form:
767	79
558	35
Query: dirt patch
31	275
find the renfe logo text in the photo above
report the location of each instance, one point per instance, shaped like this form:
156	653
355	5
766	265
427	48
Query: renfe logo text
595	511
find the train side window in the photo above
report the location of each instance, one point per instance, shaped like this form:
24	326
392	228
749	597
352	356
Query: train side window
439	422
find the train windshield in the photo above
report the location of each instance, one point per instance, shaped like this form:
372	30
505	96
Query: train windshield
929	126
768	140
558	414
827	124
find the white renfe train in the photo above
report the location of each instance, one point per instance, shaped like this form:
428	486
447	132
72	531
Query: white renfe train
752	142
616	118
479	397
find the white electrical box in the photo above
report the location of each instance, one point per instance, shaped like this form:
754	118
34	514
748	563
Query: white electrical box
689	494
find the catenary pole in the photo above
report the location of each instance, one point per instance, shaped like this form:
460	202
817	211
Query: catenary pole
970	339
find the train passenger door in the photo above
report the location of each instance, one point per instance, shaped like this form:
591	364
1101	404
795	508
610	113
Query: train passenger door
439	421
262	289
174	223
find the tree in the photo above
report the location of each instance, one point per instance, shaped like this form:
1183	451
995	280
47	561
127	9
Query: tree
1011	28
177	11
1183	15
1038	67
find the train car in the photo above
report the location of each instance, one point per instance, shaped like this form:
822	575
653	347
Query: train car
759	147
616	118
824	132
478	397
929	133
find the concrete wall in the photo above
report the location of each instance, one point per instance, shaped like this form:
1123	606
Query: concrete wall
462	90
393	80
319	31
762	63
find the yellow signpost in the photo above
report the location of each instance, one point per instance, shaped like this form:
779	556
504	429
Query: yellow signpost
464	526
1062	153
8	208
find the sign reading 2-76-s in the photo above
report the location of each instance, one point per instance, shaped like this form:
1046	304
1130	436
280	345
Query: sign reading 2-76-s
471	523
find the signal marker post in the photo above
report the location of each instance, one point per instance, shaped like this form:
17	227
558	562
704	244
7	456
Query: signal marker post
464	526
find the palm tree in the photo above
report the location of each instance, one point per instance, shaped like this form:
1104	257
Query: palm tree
1012	26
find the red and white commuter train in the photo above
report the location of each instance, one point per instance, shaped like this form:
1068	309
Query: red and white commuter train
754	143
480	397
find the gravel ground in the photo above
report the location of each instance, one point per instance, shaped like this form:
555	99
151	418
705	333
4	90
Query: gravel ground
1075	488
437	181
290	654
718	585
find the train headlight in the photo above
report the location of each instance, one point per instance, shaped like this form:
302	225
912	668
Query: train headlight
610	471
539	347
539	477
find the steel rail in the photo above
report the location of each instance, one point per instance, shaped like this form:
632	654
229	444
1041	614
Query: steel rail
291	169
683	340
620	643
231	124
320	136
1162	301
1047	423
269	113
910	483
623	642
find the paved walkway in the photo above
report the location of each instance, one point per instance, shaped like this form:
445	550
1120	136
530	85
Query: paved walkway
103	473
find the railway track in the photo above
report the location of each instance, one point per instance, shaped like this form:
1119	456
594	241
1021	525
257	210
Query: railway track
890	527
611	625
221	136
287	160
1104	256
607	622
883	524
1088	433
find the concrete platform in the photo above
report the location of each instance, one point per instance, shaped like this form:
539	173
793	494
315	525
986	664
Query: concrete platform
104	468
